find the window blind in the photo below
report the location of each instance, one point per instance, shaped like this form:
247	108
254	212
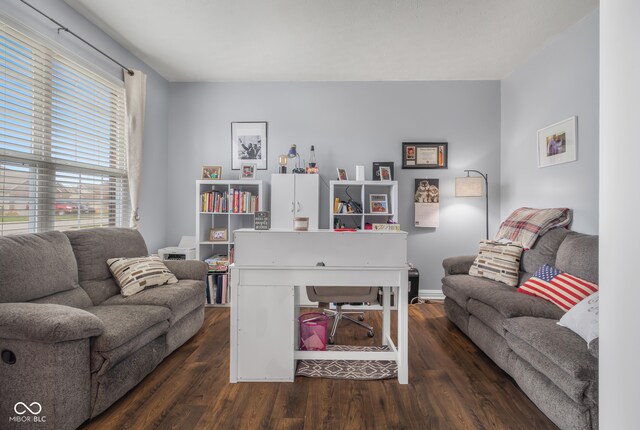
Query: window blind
62	141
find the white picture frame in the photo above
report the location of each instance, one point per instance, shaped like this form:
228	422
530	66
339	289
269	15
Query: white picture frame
247	171
378	204
558	143
385	173
342	174
249	144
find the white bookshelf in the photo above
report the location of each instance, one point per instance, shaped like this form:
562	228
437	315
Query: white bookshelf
359	191
206	220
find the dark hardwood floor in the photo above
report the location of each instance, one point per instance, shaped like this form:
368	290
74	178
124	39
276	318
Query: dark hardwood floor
452	385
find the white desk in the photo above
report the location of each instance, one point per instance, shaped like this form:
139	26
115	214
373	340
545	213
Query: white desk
268	264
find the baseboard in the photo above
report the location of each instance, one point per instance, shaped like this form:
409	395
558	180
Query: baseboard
431	294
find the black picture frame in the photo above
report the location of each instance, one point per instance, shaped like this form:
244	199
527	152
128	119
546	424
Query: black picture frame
375	172
425	155
246	136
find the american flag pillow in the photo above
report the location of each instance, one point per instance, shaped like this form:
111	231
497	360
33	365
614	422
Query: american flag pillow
558	287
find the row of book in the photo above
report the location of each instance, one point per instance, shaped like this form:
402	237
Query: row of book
235	201
217	291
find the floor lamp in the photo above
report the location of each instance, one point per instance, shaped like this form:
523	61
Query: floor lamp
471	186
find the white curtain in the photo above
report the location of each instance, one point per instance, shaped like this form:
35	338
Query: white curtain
136	92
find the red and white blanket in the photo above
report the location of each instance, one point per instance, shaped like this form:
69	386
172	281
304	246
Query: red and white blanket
524	225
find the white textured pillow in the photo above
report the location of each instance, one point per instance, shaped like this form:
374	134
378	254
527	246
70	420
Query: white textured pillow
135	274
583	318
499	261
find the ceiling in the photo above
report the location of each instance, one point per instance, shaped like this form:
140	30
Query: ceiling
333	40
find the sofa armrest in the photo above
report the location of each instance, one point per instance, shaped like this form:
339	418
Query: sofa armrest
188	269
458	265
47	323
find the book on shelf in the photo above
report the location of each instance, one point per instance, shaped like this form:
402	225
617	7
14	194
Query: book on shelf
214	201
217	289
218	263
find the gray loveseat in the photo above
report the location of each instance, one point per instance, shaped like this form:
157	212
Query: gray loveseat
69	341
551	364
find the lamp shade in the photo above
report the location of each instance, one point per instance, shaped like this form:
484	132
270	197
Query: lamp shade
469	186
293	152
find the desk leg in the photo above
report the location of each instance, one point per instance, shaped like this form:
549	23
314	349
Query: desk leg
386	314
403	329
233	365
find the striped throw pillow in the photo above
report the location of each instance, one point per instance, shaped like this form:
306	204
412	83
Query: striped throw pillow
499	261
558	287
135	274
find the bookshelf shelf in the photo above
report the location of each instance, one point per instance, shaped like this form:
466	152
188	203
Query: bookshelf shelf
359	192
238	200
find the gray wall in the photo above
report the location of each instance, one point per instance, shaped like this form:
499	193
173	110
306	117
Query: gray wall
153	201
349	124
558	82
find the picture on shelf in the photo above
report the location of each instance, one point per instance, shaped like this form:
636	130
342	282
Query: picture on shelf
377	165
211	172
427	191
249	143
378	204
248	171
218	235
342	174
385	173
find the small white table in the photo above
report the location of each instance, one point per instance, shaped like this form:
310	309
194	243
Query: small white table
269	264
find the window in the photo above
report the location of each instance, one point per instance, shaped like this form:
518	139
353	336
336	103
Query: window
62	141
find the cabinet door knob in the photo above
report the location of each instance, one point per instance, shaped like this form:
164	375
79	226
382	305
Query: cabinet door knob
298	206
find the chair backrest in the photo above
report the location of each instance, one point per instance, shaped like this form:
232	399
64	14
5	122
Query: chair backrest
342	294
40	267
93	247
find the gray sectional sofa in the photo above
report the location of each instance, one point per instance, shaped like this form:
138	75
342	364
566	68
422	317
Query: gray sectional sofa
551	364
69	341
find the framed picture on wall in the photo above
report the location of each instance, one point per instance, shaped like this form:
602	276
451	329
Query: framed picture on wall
249	144
557	143
424	155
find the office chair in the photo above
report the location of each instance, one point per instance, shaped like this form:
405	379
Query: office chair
341	296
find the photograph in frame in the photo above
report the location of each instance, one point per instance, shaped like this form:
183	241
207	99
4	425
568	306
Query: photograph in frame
558	143
249	144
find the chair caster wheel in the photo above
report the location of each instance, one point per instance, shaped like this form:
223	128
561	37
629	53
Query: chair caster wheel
360	317
370	333
330	340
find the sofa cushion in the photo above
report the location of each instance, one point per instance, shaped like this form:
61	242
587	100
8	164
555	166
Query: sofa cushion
578	255
135	274
562	289
499	261
126	329
543	251
559	345
488	315
460	287
180	298
93	247
35	266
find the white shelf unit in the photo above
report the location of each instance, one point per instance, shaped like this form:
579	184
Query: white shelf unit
359	191
206	220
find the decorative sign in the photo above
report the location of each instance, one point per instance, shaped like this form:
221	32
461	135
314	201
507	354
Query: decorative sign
262	221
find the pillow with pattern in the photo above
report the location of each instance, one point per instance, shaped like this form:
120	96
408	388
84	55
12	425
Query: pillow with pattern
135	274
558	287
498	260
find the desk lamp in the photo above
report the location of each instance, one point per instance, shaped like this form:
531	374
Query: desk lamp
293	153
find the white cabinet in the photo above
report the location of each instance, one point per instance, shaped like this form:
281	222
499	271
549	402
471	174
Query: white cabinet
294	196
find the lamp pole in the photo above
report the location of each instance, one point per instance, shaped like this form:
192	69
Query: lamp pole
485	176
